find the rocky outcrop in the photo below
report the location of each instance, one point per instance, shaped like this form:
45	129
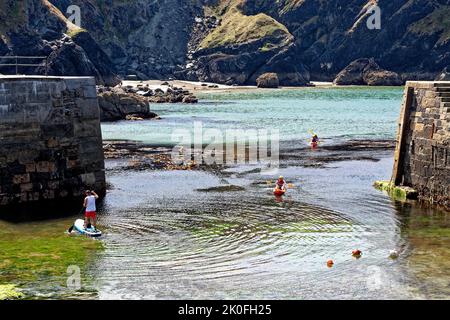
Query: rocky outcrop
367	72
329	35
268	80
146	38
133	102
37	28
118	104
242	48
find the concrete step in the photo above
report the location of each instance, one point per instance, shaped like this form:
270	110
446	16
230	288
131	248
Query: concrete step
442	90
442	84
445	99
443	94
446	107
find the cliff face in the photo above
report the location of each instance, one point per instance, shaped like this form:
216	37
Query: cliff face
144	37
414	39
37	28
230	41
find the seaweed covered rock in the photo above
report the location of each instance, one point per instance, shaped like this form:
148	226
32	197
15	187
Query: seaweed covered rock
268	80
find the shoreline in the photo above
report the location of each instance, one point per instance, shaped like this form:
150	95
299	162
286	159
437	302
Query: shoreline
209	87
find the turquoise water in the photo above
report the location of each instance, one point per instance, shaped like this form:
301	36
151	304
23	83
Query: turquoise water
334	113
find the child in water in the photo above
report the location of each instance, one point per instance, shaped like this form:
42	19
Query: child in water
315	141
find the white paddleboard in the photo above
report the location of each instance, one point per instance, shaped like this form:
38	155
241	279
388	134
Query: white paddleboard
79	226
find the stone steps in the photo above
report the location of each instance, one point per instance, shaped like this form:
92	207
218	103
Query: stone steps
442	89
446	107
445	99
442	84
443	94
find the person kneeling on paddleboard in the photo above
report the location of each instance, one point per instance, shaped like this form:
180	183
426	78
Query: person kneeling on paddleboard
90	216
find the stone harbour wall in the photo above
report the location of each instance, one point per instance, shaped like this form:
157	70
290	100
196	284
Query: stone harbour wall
50	139
422	158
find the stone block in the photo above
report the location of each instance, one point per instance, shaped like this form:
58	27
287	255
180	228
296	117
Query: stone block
52	143
26	187
45	167
21	178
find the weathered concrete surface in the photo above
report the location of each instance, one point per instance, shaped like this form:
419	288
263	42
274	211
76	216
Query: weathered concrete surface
50	139
422	157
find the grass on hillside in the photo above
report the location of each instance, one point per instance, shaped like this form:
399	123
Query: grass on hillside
238	28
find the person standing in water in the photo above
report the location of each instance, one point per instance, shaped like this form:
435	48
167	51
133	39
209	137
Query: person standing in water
281	184
90	216
315	141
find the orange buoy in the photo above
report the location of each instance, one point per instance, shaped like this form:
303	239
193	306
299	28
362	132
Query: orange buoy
330	263
357	253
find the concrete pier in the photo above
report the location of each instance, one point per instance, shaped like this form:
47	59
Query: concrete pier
50	139
422	156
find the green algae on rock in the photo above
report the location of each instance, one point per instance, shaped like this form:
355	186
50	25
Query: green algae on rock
399	192
41	252
9	292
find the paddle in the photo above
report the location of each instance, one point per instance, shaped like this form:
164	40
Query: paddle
71	228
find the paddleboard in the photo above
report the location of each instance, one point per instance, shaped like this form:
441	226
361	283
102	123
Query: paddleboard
91	232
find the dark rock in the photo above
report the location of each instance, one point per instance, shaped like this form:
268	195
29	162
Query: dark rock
268	80
117	104
367	72
149	93
103	65
382	78
190	99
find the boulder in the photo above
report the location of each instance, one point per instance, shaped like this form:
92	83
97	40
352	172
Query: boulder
382	78
190	99
367	72
117	104
268	80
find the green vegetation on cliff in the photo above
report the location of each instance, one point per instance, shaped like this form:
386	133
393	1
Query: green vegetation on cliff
238	28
